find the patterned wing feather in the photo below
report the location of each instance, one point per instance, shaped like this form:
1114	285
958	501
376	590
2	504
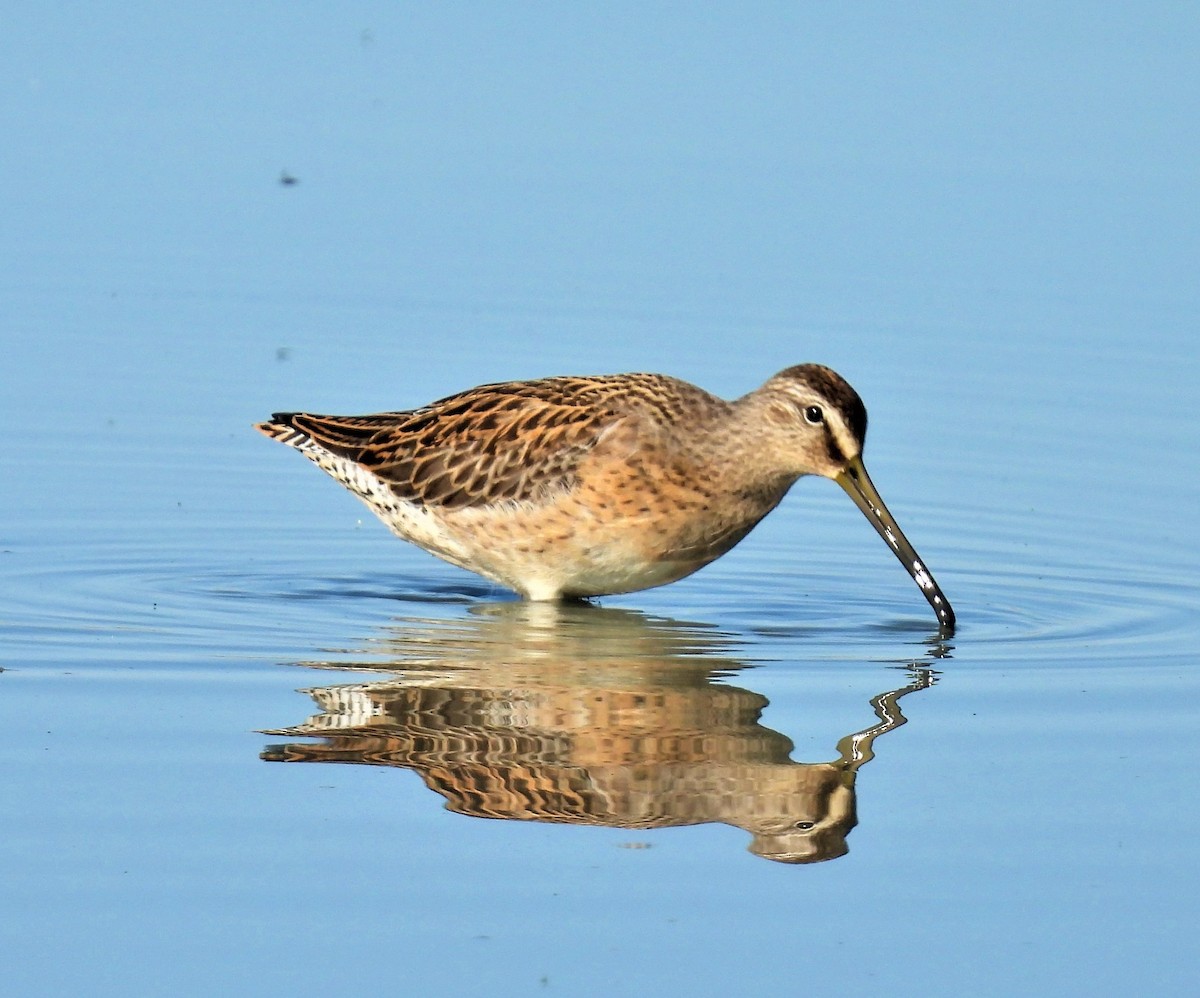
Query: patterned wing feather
495	443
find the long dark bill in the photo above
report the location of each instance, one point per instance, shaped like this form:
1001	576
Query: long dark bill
858	486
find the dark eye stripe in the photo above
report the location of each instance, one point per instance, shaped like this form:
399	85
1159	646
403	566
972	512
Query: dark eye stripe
835	452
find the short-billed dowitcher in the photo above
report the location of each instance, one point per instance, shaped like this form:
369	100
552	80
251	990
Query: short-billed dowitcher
586	486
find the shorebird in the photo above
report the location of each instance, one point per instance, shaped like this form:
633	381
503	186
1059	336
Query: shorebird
570	487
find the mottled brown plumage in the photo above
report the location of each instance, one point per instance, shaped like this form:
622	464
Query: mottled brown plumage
581	486
516	441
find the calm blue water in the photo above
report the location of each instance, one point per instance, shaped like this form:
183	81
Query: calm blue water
255	744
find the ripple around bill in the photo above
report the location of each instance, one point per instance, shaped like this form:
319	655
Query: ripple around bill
1024	589
1024	585
1040	585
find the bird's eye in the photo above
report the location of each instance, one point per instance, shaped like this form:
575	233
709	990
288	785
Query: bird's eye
814	415
805	826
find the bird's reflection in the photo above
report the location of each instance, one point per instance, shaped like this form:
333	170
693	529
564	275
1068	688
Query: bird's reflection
589	715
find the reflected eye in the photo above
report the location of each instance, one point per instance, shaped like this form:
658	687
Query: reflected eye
814	415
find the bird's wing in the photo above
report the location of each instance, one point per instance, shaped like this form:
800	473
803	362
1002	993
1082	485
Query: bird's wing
504	442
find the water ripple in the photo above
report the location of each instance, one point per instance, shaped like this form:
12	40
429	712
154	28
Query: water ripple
1021	590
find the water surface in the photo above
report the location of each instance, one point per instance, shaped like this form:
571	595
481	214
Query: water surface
255	744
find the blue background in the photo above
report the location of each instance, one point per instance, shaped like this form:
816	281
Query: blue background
984	216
